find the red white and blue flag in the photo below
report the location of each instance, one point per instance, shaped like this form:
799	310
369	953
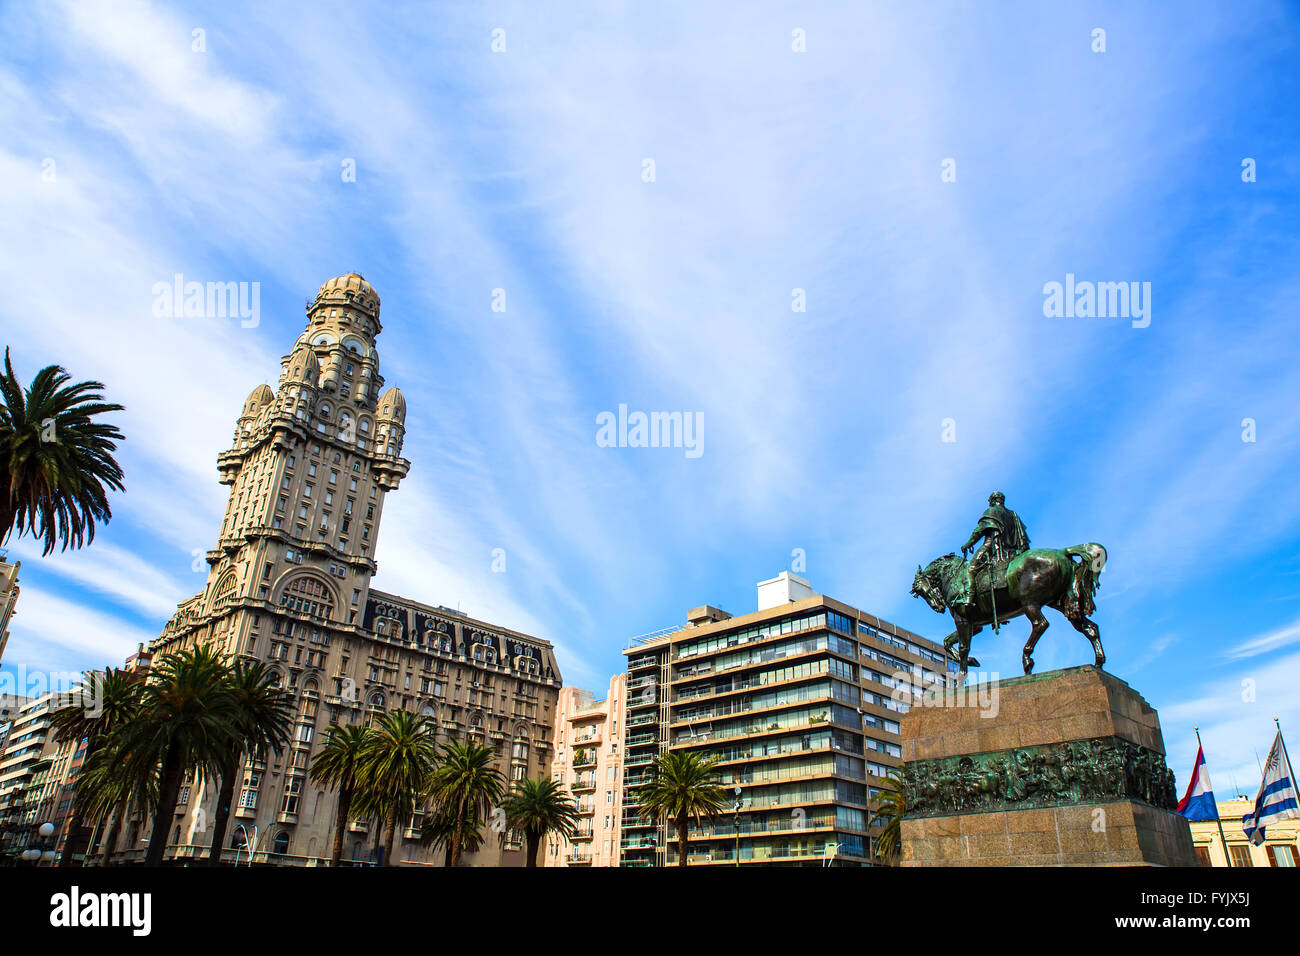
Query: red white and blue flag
1198	802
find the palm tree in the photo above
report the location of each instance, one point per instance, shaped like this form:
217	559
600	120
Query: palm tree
110	787
55	458
537	806
398	757
183	723
440	828
336	765
684	787
463	789
891	804
259	721
103	704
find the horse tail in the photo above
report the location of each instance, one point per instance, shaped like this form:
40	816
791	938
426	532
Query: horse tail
1087	577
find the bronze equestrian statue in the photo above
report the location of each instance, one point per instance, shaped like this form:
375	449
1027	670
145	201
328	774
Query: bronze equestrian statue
1006	578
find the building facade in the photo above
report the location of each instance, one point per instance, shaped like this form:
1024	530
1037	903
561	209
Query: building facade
588	761
25	771
8	597
1281	846
799	702
310	467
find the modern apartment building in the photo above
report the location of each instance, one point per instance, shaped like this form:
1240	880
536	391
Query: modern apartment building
10	706
588	761
8	597
25	765
289	583
800	702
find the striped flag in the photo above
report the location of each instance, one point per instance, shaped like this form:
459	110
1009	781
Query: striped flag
1198	802
1277	796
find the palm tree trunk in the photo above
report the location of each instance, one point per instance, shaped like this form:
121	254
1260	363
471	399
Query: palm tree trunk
457	836
74	830
162	818
392	833
117	815
681	840
534	842
229	774
340	829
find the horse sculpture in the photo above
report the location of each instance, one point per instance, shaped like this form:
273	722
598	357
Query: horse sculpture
1065	579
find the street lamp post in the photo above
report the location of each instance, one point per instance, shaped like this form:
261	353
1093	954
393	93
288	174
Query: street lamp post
34	854
248	843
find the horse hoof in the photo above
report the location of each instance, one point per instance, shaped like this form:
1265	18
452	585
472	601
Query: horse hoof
1029	665
971	662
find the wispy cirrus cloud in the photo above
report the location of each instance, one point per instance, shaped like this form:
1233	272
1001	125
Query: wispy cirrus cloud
775	171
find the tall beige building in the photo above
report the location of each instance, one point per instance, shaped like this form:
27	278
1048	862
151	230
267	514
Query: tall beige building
588	762
309	469
8	597
25	770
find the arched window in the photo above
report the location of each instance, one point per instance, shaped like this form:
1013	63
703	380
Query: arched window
282	842
308	595
225	590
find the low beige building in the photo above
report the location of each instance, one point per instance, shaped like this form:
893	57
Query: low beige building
1281	846
589	763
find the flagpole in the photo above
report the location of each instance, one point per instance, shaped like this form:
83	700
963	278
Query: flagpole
1218	818
1290	768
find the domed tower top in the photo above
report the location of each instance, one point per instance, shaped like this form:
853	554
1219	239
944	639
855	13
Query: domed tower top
258	398
301	365
350	291
392	406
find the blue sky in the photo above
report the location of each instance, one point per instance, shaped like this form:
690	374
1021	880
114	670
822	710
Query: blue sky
774	170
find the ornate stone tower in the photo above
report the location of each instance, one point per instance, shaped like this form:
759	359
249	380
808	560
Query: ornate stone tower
310	466
289	584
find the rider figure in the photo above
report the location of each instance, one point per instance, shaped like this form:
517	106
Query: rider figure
1004	537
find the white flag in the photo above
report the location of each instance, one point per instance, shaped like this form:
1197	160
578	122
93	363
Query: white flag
1277	797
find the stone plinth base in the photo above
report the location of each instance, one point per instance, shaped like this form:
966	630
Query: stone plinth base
1064	768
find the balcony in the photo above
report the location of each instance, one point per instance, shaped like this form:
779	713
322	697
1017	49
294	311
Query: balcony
578	859
643	662
583	783
639	760
586	833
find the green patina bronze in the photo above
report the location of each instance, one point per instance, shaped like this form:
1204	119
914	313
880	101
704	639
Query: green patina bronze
1006	578
1097	770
